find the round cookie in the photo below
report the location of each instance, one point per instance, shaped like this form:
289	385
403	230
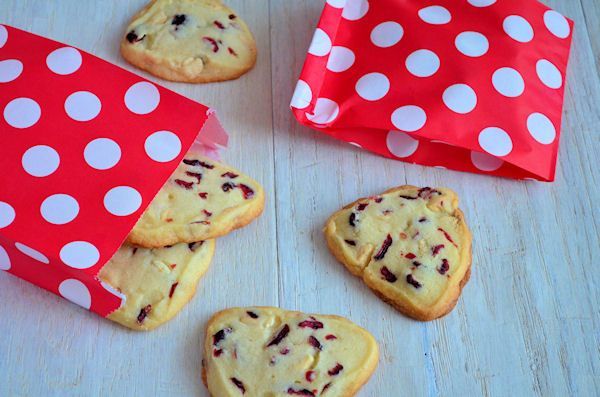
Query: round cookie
193	41
202	200
156	283
266	351
410	245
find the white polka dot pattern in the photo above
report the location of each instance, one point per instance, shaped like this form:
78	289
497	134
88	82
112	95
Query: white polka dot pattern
64	61
10	69
83	106
40	161
7	214
76	292
4	259
32	253
122	200
423	63
387	34
59	209
22	113
87	143
79	255
373	86
142	98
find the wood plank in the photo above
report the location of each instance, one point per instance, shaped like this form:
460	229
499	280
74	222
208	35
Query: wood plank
591	25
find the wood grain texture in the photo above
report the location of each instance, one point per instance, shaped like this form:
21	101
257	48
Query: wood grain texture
528	323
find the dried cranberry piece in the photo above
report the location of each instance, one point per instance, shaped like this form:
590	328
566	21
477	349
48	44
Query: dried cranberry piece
134	251
280	336
388	275
411	280
232	51
427	192
284	351
252	314
408	197
330	337
220	335
227	186
246	191
448	237
219	25
198	163
132	37
444	267
203	195
144	313
232	16
352	219
217	352
178	19
310	376
173	287
335	370
207	213
362	206
184	184
351	242
416	263
302	392
384	248
193	246
423	219
325	387
314	342
195	175
213	42
436	249
378	199
312	323
239	384
410	255
229	174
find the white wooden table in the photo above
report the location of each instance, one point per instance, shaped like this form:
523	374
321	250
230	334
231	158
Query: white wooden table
527	324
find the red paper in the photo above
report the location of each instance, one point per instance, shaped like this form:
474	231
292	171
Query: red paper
84	148
471	85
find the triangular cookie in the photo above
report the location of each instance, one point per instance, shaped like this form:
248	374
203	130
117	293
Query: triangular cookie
156	283
411	246
202	200
265	351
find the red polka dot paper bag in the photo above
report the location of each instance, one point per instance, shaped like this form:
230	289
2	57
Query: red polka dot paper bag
84	148
470	85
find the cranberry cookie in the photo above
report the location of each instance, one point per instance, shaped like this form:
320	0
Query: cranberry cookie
193	41
265	351
156	283
411	246
202	200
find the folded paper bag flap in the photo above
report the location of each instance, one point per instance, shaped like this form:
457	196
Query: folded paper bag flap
86	146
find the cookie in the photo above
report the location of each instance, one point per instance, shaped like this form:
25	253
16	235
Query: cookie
411	246
193	41
266	351
156	283
202	200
